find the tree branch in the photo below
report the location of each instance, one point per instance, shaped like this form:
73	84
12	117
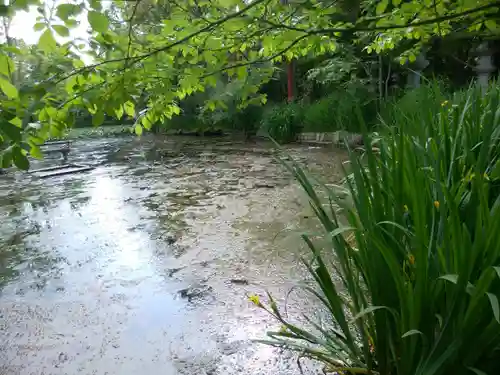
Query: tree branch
168	46
306	32
134	11
267	59
449	17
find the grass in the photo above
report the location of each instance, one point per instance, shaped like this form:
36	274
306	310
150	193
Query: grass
417	292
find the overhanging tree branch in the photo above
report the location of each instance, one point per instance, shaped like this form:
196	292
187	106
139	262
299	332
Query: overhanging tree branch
307	32
131	20
166	47
431	21
261	61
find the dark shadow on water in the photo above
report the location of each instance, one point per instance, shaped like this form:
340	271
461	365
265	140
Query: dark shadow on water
20	261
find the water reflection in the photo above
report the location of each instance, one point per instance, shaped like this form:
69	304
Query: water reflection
131	264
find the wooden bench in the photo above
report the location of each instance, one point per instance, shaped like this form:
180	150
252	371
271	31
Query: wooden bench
63	147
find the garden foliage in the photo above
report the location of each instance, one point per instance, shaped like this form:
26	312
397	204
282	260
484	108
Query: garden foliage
411	283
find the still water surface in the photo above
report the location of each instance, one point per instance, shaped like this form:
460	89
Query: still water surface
144	264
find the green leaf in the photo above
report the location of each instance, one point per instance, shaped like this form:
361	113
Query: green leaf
129	108
476	371
96	4
451	278
396	2
491	25
495	174
4	10
146	121
9	89
64	11
11	131
39	26
138	129
341	230
119	112
47	42
71	23
98	21
17	122
98	118
411	332
440	320
21	4
381	6
77	63
6	157
497	270
36	152
494	306
176	110
6	65
368	310
12	49
61	30
20	159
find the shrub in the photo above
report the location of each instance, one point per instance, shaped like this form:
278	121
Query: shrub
194	118
249	119
282	122
339	111
416	290
98	132
409	107
85	121
320	115
246	120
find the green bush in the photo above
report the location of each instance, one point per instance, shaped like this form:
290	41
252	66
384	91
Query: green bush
85	121
319	116
195	119
340	110
415	280
409	107
249	119
246	120
282	122
98	132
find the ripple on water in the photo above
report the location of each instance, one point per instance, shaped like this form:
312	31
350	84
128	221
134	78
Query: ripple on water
144	263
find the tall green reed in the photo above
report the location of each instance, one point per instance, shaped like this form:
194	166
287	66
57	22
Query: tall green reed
419	287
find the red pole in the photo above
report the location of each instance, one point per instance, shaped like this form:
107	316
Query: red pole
290	81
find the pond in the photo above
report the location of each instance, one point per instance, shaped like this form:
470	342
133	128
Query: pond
144	264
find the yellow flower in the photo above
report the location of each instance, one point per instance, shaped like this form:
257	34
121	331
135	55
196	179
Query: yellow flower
405	207
444	103
411	259
255	300
371	345
372	348
469	177
283	329
436	204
